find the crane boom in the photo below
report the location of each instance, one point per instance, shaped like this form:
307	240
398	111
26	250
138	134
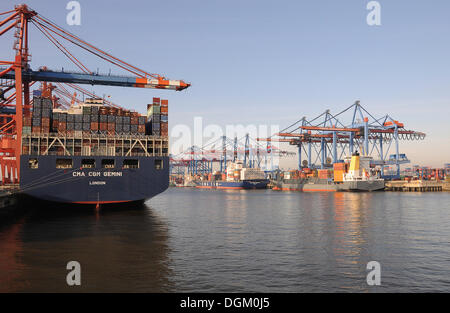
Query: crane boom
98	79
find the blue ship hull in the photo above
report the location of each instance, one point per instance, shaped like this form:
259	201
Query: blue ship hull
245	184
93	185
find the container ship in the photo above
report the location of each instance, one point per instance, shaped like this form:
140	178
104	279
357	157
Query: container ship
57	147
355	174
94	154
237	177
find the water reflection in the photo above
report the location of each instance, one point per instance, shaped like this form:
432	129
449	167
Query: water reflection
350	210
10	248
119	250
235	216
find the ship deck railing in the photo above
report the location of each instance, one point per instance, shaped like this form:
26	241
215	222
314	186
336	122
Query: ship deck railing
86	135
94	144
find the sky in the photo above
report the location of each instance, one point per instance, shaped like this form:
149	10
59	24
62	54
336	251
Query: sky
272	62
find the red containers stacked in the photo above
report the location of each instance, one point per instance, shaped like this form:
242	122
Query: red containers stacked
322	174
26	128
94	126
164	118
339	170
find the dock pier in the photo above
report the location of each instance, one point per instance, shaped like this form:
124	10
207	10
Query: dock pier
414	186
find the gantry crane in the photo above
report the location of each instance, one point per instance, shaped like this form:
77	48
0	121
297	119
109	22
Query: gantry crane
326	139
200	160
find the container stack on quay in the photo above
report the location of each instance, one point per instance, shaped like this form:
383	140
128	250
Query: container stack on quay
426	173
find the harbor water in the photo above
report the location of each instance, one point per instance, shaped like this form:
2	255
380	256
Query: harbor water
191	240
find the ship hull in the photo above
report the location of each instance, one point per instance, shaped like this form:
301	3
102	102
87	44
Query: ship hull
246	184
324	185
306	185
362	185
320	187
93	185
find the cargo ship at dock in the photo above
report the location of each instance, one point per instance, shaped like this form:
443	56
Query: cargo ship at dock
354	174
237	177
55	146
94	154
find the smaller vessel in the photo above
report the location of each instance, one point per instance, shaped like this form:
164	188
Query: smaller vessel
355	174
238	177
360	177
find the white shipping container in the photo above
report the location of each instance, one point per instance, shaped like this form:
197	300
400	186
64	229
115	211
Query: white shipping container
252	174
